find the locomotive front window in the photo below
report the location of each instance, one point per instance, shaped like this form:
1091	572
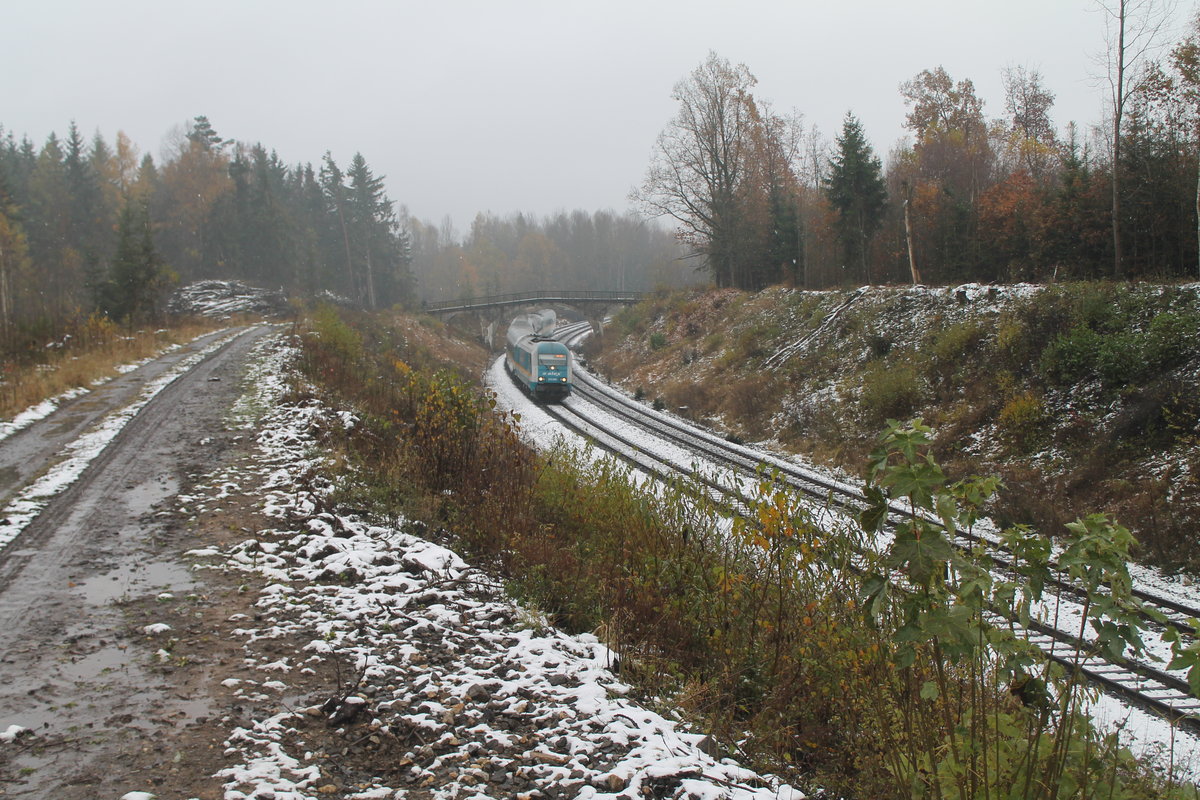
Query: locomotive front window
552	359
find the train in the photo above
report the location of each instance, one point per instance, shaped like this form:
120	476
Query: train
539	364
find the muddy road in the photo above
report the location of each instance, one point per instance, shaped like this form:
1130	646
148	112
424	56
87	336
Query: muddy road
94	697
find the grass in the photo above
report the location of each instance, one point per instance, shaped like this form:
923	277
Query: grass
89	351
755	627
1065	392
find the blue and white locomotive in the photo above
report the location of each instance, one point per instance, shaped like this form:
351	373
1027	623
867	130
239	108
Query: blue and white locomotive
541	365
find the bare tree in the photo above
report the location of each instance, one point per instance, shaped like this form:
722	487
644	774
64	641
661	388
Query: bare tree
1186	60
699	161
1027	102
1132	32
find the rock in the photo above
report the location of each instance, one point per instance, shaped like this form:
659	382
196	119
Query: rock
709	746
549	758
347	711
611	782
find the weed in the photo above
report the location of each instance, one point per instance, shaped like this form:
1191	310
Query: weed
889	391
1021	419
984	713
86	351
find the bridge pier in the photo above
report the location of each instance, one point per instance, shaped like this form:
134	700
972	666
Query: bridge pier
597	323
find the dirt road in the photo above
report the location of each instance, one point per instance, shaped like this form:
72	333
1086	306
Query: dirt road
74	671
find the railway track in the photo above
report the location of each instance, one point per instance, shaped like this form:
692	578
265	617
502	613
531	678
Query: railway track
679	446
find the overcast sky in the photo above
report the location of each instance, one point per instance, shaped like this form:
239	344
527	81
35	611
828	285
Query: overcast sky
510	105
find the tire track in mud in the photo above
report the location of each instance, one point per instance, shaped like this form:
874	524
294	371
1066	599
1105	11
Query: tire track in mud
65	651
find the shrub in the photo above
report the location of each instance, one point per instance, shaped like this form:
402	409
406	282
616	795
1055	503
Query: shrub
1013	344
878	344
889	392
1021	418
1070	357
658	341
1014	723
1121	357
951	343
751	396
947	350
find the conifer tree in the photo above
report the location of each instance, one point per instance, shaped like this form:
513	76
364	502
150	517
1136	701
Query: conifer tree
15	265
857	190
137	278
370	219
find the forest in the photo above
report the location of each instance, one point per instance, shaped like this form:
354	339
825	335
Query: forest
735	193
92	227
962	197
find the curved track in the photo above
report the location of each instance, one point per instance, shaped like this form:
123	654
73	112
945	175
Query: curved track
594	405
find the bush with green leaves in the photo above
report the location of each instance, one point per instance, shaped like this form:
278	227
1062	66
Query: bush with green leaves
986	714
1120	358
890	389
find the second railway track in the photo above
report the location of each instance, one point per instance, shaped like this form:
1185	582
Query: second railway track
1140	682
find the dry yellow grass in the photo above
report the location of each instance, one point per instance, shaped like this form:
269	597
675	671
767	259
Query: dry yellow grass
84	359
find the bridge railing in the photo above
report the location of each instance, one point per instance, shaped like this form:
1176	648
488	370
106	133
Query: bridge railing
517	298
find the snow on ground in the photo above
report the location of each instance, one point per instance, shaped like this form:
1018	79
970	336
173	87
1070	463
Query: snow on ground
17	515
1146	734
220	299
39	411
477	694
47	407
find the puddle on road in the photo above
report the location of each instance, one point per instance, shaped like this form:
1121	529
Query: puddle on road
143	497
110	660
138	580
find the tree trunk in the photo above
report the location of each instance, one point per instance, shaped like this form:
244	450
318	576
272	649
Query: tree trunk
862	249
4	313
802	248
370	282
1118	109
908	238
346	243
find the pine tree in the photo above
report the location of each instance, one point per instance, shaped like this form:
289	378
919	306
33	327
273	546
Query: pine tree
857	190
334	189
137	278
85	215
201	132
370	219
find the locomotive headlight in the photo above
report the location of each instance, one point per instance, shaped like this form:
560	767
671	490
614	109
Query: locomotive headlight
541	379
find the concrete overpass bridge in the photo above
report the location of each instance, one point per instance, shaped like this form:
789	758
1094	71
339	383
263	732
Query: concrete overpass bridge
495	311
